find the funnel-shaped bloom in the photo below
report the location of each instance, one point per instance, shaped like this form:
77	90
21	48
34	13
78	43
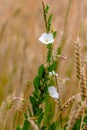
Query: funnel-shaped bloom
46	38
53	92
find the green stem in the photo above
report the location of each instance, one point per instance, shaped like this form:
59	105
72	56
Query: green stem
49	54
45	16
59	102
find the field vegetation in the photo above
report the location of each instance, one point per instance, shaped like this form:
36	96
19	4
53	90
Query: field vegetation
23	58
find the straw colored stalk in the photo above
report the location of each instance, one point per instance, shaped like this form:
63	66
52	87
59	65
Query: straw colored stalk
33	125
75	114
83	125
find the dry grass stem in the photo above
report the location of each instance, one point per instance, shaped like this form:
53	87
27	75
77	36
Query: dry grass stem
33	125
76	113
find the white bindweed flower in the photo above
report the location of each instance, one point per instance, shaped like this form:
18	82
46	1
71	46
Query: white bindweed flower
53	73
53	92
46	38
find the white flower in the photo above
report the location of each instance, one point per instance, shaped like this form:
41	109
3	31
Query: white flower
53	73
53	92
46	38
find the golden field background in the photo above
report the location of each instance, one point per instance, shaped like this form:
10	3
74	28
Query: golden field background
21	24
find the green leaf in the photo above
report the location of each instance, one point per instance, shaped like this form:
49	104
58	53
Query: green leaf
85	119
41	71
36	93
46	9
64	128
53	126
36	82
59	51
26	125
50	19
39	111
25	115
18	127
43	128
40	118
48	115
77	125
52	67
41	100
46	90
86	111
54	34
30	113
32	100
49	22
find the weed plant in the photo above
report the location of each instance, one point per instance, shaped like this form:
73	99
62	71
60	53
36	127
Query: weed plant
47	108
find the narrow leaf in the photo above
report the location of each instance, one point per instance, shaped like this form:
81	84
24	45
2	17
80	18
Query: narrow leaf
54	34
18	127
26	125
36	82
40	118
46	9
32	100
41	71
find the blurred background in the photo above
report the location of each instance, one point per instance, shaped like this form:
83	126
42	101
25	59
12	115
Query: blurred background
21	24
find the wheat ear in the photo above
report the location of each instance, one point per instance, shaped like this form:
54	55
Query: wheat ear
83	83
77	59
70	101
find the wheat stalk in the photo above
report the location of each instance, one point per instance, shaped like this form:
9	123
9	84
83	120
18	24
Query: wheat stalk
83	125
33	124
75	114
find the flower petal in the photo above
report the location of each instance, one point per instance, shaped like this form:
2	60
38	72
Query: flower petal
46	38
53	92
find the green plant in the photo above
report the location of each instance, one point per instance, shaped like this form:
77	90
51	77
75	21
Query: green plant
45	83
46	98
